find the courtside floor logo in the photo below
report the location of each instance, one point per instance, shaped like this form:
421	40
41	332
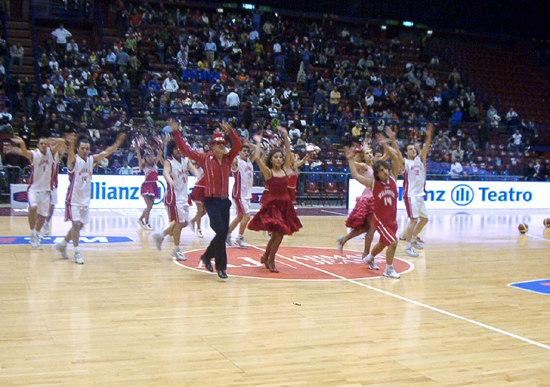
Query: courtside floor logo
537	286
298	263
25	240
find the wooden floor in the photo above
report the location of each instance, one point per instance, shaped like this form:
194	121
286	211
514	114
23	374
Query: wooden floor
131	317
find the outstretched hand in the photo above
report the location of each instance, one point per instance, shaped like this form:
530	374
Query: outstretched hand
391	134
282	130
349	152
17	140
226	127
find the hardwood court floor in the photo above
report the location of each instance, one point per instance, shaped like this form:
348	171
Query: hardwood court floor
132	317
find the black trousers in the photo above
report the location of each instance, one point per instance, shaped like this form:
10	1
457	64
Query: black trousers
218	212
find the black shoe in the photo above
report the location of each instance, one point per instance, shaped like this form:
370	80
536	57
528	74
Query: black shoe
207	264
222	274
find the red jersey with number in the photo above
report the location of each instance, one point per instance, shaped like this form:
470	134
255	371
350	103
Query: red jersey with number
385	201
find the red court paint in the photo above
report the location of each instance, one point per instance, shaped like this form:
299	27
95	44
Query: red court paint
298	263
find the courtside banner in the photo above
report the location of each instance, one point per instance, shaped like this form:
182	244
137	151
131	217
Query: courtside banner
473	194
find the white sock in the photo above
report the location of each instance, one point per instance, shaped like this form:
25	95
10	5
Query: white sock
389	267
241	236
370	257
33	232
413	239
77	249
409	245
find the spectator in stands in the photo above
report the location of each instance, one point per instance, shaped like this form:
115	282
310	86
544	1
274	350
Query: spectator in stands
456	170
232	100
529	172
60	35
512	119
516	141
72	47
335	97
493	116
430	81
455	121
125	169
210	49
170	84
16	52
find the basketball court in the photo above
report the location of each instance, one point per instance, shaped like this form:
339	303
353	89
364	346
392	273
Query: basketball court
472	309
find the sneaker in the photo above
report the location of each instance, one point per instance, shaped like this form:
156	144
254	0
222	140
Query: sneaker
178	254
369	260
158	237
39	236
419	239
46	228
199	232
192	225
62	248
147	227
34	241
411	252
390	272
141	224
241	243
340	244
78	258
228	241
417	245
402	237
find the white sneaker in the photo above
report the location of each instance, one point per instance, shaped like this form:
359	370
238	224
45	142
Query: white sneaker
402	237
39	237
390	272
78	258
141	224
178	254
62	248
411	252
369	260
199	232
340	244
228	241
147	227
241	243
34	241
417	245
158	237
46	228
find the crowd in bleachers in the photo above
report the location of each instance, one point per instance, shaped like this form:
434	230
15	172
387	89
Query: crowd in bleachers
326	80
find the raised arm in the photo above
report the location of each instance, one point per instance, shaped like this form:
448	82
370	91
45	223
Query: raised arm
395	155
235	138
140	159
58	145
303	161
428	142
23	148
110	150
184	148
259	160
252	148
71	144
288	152
350	154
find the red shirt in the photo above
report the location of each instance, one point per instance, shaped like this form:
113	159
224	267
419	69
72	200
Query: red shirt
385	201
216	175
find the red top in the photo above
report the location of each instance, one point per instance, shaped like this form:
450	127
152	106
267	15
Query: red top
385	201
216	175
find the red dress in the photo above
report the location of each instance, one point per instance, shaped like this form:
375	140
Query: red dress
149	186
277	213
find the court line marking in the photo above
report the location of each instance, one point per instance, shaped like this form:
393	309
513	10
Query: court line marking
434	309
334	212
536	237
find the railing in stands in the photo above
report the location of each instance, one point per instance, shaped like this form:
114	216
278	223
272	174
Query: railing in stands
50	9
35	49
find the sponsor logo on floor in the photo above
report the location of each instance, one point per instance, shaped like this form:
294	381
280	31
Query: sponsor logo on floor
537	286
298	263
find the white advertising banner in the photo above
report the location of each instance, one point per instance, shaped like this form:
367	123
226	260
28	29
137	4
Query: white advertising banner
473	194
123	191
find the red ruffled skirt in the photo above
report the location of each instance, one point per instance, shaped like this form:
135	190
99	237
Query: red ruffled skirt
276	215
364	207
150	188
197	195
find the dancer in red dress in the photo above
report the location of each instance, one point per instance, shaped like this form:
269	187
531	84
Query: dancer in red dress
149	188
277	214
361	219
384	189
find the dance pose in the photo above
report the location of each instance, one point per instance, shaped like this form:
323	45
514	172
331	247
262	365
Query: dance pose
361	219
277	214
42	181
77	203
414	185
176	173
216	165
149	188
243	171
384	189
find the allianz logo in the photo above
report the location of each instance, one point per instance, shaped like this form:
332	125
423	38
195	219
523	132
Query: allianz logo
463	194
103	191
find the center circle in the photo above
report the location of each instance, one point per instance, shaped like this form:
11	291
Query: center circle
298	263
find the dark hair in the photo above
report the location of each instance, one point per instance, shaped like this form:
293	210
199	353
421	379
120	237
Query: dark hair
81	140
170	146
379	165
270	155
